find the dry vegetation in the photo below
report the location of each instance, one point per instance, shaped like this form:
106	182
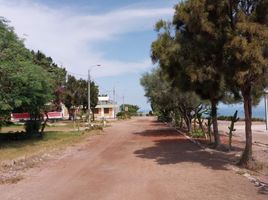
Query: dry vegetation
18	155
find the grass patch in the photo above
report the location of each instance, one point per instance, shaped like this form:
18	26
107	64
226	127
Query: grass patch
14	149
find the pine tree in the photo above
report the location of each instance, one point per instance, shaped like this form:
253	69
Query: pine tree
193	56
246	58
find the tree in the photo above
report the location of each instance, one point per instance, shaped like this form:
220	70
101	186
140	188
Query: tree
247	58
156	90
23	85
168	102
57	73
184	53
94	93
131	109
219	46
76	94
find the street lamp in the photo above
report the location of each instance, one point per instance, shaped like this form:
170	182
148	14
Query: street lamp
89	109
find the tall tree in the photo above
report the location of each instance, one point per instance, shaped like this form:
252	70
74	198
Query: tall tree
247	58
218	45
191	51
23	84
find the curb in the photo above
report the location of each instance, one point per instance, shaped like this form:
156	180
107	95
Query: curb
187	137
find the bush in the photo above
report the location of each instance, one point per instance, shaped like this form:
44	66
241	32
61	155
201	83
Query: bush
150	113
224	118
123	115
163	118
229	118
198	133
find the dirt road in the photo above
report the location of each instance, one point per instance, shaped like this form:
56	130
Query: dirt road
138	159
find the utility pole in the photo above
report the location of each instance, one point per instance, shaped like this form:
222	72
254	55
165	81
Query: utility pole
123	103
88	95
114	101
88	98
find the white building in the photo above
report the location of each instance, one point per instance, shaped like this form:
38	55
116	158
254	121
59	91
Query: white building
106	108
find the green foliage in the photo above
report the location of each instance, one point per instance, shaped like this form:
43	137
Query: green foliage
123	115
132	110
198	133
217	48
150	113
56	73
191	51
225	118
24	86
76	93
94	93
167	102
246	62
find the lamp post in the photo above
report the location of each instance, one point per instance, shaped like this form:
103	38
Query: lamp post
88	94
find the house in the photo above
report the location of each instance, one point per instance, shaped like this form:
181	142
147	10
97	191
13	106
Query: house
106	108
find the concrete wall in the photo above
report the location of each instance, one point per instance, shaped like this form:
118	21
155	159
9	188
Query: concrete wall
99	113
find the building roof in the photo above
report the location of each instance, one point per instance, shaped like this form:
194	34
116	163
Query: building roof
105	102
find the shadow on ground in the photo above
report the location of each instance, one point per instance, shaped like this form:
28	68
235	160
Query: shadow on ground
263	189
172	148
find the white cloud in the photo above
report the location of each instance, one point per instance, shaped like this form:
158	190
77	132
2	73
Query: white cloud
69	37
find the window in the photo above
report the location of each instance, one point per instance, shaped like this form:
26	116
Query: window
106	110
96	111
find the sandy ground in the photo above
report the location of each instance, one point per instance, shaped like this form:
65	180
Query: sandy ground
260	142
138	159
259	132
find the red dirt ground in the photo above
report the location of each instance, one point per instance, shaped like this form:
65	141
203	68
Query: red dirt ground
138	159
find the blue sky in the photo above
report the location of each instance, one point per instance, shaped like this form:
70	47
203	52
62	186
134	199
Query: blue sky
79	34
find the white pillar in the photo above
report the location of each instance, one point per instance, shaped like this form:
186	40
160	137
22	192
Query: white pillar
102	112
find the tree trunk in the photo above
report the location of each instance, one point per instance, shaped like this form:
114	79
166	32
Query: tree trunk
217	141
44	124
188	122
209	130
93	116
195	123
181	123
247	159
200	122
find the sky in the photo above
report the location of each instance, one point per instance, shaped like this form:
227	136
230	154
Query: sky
81	34
116	34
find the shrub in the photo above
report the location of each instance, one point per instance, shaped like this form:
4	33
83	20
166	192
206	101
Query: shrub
163	118
123	115
229	118
198	133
